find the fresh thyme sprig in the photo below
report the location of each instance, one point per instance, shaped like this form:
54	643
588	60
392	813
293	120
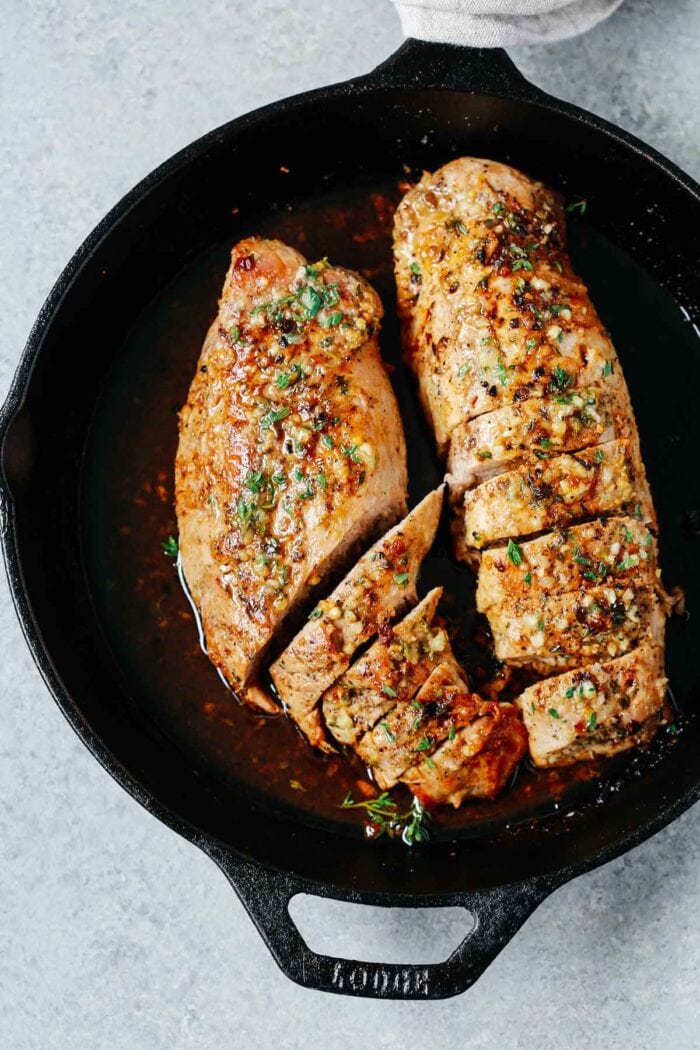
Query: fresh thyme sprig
416	819
170	547
383	812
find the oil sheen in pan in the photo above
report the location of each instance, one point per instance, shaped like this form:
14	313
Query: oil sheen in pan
128	512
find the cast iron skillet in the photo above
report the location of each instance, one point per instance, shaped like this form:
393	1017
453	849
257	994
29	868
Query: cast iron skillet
424	105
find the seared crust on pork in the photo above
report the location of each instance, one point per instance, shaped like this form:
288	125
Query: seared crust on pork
596	710
291	448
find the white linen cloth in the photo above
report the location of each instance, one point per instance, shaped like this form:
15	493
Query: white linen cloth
497	23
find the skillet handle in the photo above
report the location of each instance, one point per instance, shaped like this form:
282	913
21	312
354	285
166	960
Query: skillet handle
497	916
421	64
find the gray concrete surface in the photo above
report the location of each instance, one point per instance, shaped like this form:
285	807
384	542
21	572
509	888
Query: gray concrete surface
113	932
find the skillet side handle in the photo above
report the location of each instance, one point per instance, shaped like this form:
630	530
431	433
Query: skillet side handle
497	916
487	71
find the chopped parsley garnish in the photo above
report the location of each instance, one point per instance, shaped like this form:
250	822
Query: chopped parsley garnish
521	264
314	269
592	722
311	299
415	268
501	372
424	744
315	614
246	511
499	208
452	732
531	343
607	368
334	319
255	481
327	440
234	333
389	691
514	553
388	733
351	453
528	579
170	547
599	455
484	453
458	226
577	206
305	303
402	579
286	379
273	307
275	415
553	712
561	379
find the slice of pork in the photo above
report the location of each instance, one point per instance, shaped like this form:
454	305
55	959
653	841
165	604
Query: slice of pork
607	550
601	709
477	762
380	585
391	670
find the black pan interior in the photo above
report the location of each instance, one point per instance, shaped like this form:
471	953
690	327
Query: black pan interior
89	461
